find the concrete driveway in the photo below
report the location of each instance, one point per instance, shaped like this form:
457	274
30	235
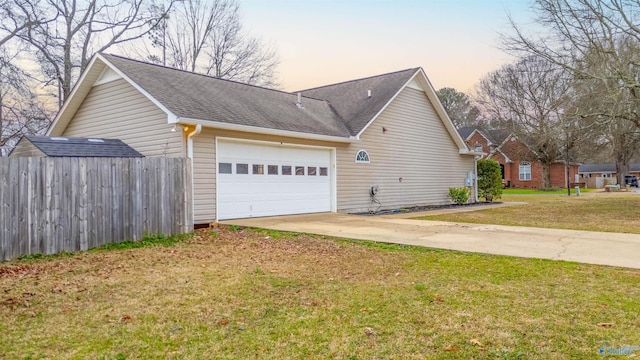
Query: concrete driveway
582	246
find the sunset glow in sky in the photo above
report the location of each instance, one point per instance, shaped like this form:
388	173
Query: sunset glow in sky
327	41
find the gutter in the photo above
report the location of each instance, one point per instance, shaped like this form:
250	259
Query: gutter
266	131
197	130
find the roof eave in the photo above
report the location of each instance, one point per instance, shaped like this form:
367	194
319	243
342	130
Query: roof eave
265	131
471	152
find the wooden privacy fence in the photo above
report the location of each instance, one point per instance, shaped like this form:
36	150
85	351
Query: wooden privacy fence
50	205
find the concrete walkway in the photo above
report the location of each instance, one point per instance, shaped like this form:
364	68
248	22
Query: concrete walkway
582	246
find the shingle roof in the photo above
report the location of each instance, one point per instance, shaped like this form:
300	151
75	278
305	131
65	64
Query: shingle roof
197	96
498	136
466	131
610	167
350	99
58	146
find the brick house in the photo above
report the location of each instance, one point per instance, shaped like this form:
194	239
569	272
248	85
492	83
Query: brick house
519	164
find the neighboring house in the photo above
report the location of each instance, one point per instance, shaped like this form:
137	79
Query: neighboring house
59	146
518	163
261	152
591	171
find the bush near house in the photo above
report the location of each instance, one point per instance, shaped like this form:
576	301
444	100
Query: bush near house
459	195
489	180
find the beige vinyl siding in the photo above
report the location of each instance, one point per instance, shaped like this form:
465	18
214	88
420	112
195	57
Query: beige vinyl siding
204	179
204	164
25	149
116	110
413	162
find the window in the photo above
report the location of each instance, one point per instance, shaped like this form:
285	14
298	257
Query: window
242	168
224	168
299	170
286	170
525	171
272	169
258	169
311	170
324	171
362	156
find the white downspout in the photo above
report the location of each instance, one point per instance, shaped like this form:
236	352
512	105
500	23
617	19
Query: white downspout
475	188
190	136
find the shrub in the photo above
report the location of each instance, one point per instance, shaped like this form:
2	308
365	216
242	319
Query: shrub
459	195
489	180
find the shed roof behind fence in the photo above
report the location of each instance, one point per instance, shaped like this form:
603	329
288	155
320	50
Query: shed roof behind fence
63	146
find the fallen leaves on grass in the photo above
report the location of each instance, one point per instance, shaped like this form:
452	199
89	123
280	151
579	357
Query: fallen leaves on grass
451	348
370	332
606	324
475	342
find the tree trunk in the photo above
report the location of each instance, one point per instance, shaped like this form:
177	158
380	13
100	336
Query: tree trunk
622	168
546	175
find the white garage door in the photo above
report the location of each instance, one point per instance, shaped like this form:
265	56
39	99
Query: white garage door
258	179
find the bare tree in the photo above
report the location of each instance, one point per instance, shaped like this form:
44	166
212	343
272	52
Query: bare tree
605	100
79	29
459	107
20	111
531	95
582	33
17	16
207	37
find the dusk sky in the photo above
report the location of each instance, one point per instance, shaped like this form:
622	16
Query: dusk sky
326	41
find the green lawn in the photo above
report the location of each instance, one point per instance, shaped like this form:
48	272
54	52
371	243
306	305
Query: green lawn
617	213
539	192
238	294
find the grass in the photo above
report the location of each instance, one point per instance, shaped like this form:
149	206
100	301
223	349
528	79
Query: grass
592	213
242	293
541	192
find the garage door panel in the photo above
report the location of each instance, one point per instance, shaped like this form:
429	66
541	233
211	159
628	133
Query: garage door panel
253	195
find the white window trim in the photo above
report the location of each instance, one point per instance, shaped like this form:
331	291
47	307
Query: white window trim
362	161
521	173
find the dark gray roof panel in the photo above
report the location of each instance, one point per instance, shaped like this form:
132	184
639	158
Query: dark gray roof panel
201	97
62	146
466	131
350	99
610	167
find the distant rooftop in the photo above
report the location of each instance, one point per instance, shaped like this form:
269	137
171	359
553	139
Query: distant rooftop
605	168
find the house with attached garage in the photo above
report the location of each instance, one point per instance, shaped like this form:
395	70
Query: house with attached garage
381	142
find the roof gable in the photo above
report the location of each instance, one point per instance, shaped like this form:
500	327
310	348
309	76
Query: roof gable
57	146
359	102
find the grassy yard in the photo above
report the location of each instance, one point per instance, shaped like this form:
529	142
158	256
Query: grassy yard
538	192
257	294
618	213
